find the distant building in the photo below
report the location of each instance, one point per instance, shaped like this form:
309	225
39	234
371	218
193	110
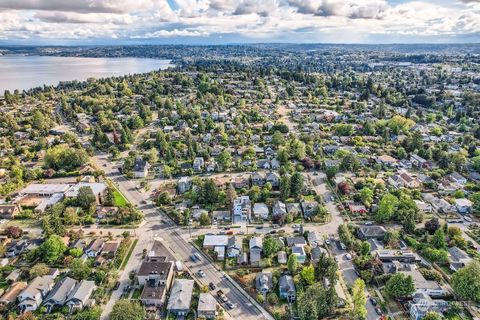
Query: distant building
141	169
242	209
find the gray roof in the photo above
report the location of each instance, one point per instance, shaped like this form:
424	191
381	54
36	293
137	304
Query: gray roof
256	242
291	241
61	290
263	281
206	303
286	284
180	295
82	291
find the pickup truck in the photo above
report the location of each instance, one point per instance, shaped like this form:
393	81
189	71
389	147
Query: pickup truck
222	296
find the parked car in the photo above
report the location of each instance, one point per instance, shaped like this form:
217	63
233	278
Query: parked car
468	219
222	296
201	273
212	286
378	311
373	301
230	305
348	256
275	226
116	286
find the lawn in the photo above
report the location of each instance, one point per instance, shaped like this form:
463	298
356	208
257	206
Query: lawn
124	263
136	294
119	199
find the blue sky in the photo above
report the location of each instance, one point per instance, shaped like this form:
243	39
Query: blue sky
238	21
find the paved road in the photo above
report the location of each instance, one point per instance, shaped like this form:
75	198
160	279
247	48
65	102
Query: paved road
349	275
167	231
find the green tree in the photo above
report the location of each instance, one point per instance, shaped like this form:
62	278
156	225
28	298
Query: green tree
438	239
277	138
285	187
359	298
38	270
88	314
386	208
52	249
399	286
296	184
127	310
224	159
292	264
316	302
466	282
204	219
271	246
308	274
366	248
79	269
366	196
85	198
432	315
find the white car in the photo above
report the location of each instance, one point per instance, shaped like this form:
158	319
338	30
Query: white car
201	273
468	219
348	256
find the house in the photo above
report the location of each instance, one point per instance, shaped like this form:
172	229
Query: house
180	297
234	247
34	293
314	239
419	162
457	178
279	210
198	164
371	232
422	304
316	253
156	275
207	306
274	179
458	258
423	206
396	255
299	251
309	208
330	163
94	248
293	241
212	241
241	182
256	247
141	168
8	211
98	189
80	295
357	208
58	295
264	282
242	209
387	161
10	296
219	253
294	209
260	210
14	275
286	288
463	205
258	179
184	184
282	257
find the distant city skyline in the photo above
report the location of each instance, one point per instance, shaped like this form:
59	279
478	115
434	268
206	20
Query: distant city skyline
83	22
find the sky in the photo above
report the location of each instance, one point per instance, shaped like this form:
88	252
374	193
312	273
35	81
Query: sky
83	22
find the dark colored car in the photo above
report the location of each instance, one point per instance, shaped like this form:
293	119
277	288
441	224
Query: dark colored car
212	286
117	285
378	311
373	301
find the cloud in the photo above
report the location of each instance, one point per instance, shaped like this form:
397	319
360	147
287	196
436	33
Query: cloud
73	17
172	33
343	8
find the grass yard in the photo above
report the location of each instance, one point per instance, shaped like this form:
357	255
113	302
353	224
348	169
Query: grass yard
124	263
119	199
136	294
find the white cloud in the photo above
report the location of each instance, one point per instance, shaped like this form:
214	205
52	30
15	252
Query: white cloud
314	20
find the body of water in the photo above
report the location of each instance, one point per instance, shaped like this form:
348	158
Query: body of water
25	72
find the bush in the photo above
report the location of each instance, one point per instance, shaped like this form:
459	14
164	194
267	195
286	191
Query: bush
431	274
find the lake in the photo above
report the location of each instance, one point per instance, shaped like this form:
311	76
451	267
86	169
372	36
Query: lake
25	72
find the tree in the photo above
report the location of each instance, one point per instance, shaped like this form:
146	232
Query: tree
127	310
88	314
38	270
271	246
277	138
366	196
79	269
399	286
66	158
292	264
438	240
366	248
308	274
359	298
296	184
432	225
466	282
85	198
52	249
432	315
386	207
409	222
13	232
224	159
204	219
285	187
316	301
